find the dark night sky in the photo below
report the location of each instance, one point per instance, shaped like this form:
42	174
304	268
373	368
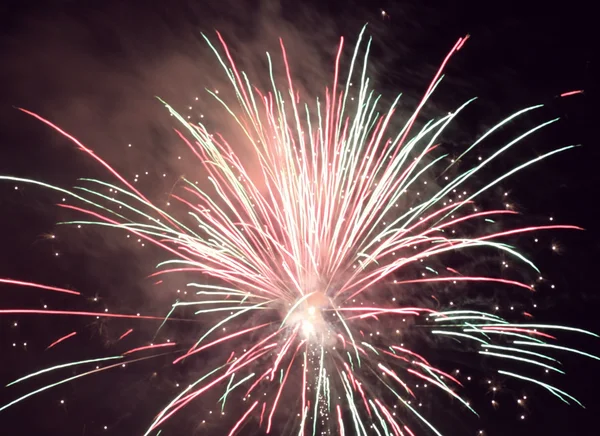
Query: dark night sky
94	68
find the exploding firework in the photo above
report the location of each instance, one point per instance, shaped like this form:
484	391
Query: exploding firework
306	280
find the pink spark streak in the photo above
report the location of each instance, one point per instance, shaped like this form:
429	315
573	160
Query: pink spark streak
148	347
58	341
39	286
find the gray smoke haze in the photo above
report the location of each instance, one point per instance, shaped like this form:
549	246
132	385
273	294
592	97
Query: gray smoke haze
96	72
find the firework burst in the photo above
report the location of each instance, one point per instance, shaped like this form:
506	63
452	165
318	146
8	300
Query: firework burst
304	278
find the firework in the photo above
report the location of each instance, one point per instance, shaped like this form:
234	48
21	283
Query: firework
310	269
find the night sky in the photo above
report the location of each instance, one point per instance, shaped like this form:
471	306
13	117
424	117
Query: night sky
95	67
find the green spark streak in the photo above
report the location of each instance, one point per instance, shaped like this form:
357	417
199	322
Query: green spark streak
521	359
166	318
419	210
460	243
350	360
232	388
67	380
474	170
181	394
226	290
377	430
452	393
555	391
381	420
294	307
391	228
358	425
462	312
557	347
520	167
413	410
145	203
226	320
413	214
202	302
433	374
371	347
303	422
518	350
122	203
223	398
341	318
481	317
492	130
113	200
481	332
351	71
55	188
225	309
64	365
374	203
500	332
546	327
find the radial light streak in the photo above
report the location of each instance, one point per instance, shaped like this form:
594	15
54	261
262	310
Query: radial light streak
567	94
149	347
58	341
37	285
127	333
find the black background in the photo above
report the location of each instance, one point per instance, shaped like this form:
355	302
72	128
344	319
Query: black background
94	67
